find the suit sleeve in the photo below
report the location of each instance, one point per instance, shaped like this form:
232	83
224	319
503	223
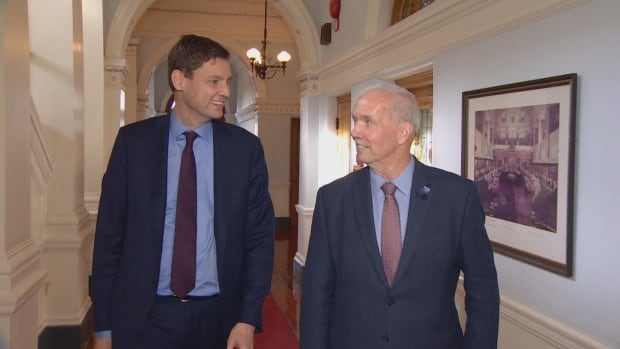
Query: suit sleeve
318	283
109	234
481	286
259	244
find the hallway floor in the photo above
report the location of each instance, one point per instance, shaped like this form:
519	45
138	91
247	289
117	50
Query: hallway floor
283	288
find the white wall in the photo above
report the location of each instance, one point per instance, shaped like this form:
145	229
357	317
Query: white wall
275	135
353	16
583	40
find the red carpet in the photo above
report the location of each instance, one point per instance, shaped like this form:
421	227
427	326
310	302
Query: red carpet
276	332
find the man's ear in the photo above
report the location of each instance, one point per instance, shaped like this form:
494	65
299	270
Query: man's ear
405	132
177	80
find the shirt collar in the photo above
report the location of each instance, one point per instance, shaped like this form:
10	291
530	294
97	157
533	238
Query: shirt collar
403	182
177	128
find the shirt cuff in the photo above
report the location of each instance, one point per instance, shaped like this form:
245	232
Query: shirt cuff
103	334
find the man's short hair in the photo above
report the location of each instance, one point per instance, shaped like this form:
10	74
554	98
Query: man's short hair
190	53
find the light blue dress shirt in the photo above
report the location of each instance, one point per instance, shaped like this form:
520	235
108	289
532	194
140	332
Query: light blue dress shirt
402	195
206	256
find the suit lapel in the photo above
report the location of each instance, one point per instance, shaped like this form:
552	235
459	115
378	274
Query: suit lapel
220	180
363	213
418	210
157	170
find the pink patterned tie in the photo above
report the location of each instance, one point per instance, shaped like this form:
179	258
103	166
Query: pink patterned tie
391	241
183	273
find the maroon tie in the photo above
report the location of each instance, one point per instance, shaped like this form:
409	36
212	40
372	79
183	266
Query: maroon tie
183	274
391	241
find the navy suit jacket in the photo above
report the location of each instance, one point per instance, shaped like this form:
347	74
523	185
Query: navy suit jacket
346	301
129	233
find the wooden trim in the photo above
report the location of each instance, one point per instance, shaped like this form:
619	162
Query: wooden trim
343	131
421	85
293	192
294	172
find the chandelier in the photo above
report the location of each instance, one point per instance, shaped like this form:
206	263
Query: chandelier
258	59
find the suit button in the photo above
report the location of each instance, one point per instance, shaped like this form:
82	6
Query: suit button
390	302
385	339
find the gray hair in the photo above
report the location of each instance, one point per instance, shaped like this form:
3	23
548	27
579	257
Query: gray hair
404	105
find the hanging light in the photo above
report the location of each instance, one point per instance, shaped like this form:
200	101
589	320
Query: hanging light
258	58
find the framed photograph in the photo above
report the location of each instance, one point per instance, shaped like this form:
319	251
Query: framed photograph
518	147
404	8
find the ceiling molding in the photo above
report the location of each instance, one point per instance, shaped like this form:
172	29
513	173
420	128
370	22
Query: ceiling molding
445	25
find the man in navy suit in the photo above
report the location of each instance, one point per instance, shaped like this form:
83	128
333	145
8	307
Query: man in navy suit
350	297
134	305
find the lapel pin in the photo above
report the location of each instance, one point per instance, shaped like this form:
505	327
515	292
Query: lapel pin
424	192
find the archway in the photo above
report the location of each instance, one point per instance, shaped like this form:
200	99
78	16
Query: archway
127	14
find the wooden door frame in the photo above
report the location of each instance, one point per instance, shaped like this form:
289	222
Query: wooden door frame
293	191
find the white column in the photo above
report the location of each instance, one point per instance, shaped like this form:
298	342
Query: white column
58	94
131	83
94	158
308	172
142	106
21	275
114	77
318	159
248	118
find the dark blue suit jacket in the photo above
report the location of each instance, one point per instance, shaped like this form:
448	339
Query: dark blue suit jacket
128	238
346	301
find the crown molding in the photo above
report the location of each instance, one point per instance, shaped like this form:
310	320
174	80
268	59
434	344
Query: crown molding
442	26
277	106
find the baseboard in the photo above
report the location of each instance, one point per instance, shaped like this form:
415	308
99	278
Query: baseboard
68	337
523	327
522	320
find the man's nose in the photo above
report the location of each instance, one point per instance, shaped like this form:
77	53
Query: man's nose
225	90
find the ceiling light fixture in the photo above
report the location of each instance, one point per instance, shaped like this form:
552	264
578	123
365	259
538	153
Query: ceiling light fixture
258	59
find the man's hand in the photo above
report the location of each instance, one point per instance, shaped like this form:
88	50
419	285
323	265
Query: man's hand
103	343
241	337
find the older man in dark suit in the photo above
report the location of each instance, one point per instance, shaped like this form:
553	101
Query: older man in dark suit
183	250
388	243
